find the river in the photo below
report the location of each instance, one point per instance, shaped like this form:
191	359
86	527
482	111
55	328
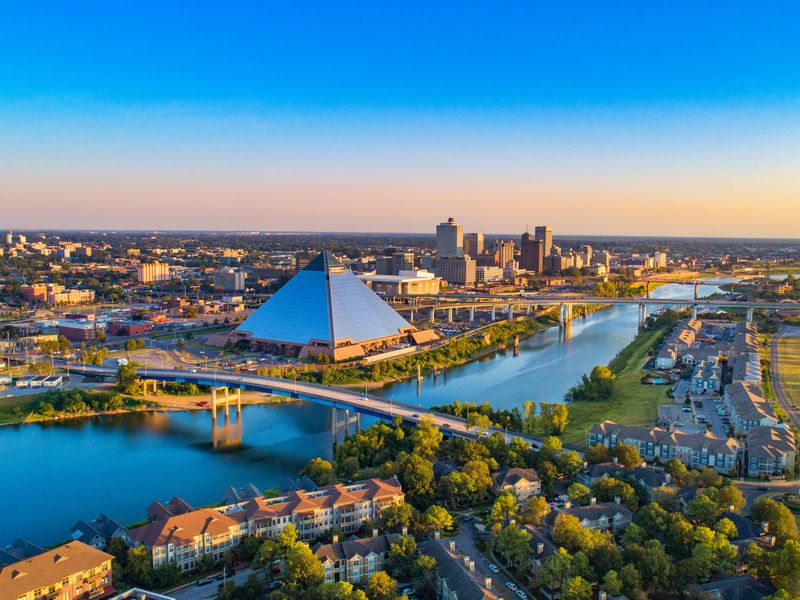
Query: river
53	474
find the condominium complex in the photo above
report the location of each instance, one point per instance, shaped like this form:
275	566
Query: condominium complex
184	539
153	272
696	451
354	560
69	572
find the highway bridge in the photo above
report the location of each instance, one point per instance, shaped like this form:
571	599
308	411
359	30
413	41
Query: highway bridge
336	398
508	304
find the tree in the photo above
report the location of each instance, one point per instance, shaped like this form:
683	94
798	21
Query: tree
612	584
577	588
504	509
536	510
727	498
341	590
631	580
627	455
781	522
416	475
569	533
478	471
287	538
127	378
596	387
381	587
607	489
727	528
555	418
529	420
702	510
652	562
302	571
783	566
579	493
426	438
397	516
597	454
478	421
140	567
268	551
514	543
320	471
437	518
402	552
676	469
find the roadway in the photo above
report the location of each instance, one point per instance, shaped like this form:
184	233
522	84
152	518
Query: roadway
367	404
775	374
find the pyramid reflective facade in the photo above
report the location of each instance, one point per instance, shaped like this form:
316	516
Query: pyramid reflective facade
324	305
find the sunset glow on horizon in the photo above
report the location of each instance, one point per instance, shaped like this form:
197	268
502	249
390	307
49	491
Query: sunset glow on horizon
368	118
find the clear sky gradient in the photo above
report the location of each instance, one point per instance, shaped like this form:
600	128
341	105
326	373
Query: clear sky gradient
652	118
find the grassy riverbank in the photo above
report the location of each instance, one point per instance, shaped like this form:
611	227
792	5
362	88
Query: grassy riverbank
632	402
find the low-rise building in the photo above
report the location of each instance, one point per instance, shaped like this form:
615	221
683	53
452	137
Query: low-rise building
342	506
706	377
185	539
456	580
99	531
405	283
70	572
613	516
771	451
355	560
696	450
747	407
523	483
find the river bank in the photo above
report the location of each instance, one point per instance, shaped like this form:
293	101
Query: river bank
632	402
20	410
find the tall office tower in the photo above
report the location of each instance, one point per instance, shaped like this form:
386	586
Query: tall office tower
473	244
383	265
586	251
449	238
531	253
503	252
604	258
545	233
10	238
660	260
402	261
22	239
151	272
460	270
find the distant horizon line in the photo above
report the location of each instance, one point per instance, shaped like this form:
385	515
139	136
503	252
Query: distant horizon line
377	232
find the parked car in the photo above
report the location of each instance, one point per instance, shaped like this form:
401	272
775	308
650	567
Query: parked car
511	585
204	581
522	595
494	568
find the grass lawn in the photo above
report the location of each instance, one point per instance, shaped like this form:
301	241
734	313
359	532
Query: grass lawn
633	402
7	406
789	362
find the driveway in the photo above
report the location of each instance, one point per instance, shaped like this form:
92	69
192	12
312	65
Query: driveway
195	592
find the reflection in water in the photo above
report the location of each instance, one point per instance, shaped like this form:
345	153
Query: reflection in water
228	435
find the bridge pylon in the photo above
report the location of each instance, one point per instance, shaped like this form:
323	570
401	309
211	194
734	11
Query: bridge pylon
222	396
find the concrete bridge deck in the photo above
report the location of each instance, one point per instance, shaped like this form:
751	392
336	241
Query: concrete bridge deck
338	398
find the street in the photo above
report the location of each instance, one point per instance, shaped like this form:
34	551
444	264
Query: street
196	592
775	376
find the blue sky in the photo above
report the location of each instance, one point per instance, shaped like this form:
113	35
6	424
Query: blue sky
328	115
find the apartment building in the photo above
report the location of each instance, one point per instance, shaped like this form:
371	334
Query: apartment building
611	516
69	572
771	451
747	407
706	377
356	560
696	451
341	506
523	483
184	539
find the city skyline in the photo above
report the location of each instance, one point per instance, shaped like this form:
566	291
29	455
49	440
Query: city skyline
589	118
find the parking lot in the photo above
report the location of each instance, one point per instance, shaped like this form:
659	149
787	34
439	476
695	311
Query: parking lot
710	408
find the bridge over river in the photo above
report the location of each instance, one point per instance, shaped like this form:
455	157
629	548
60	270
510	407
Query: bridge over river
338	399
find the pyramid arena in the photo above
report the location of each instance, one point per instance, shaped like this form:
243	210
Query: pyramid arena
325	310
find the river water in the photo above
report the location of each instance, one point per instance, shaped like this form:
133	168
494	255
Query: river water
53	474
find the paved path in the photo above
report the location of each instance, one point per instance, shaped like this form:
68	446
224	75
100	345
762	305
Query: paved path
202	592
775	375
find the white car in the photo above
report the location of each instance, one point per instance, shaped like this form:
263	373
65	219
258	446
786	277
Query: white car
511	585
522	595
494	568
